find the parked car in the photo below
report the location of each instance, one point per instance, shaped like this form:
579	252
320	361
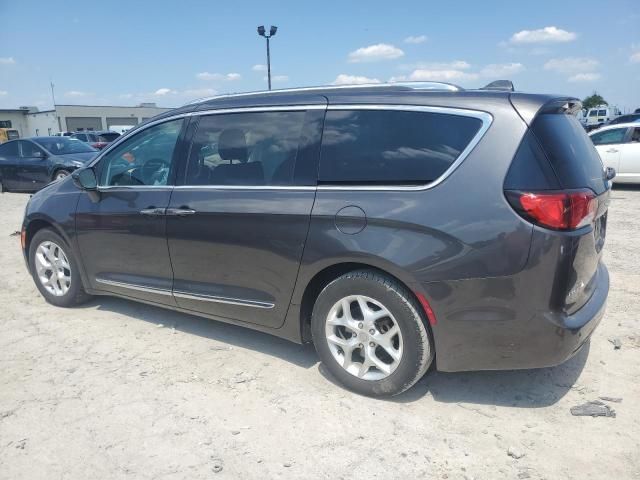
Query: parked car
97	140
629	118
391	225
7	134
619	148
28	165
63	134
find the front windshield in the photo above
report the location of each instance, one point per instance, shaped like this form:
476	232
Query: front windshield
64	145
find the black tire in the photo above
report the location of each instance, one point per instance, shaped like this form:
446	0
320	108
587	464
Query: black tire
75	293
418	349
2	190
63	172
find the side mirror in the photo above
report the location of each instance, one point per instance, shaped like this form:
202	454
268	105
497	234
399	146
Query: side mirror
85	178
611	173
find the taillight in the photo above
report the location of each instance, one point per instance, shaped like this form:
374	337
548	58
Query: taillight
566	210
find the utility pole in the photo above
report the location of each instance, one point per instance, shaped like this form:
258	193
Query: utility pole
53	95
262	33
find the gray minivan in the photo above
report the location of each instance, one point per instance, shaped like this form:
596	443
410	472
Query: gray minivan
395	226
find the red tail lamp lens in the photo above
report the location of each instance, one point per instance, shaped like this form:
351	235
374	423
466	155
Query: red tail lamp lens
558	210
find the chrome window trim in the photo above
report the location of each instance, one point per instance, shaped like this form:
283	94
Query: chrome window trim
485	117
133	286
225	300
309	188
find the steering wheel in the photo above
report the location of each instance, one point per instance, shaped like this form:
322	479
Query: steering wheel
154	169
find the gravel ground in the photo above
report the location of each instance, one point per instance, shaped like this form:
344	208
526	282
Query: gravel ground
116	389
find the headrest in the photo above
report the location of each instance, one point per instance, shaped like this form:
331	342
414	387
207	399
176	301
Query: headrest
232	145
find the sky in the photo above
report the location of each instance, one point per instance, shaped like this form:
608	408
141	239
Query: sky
171	52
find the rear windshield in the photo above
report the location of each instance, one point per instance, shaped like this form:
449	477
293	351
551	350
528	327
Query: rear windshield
570	151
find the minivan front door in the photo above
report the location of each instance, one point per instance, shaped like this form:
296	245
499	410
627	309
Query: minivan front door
238	226
121	231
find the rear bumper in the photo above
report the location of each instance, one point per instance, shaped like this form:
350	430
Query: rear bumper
505	339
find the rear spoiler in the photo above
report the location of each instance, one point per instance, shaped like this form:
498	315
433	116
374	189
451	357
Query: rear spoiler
530	105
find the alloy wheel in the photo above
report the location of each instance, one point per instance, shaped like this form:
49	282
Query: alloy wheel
53	268
364	337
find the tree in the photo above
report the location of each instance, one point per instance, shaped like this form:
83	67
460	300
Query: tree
593	101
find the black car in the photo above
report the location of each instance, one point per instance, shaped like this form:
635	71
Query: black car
394	226
28	165
97	140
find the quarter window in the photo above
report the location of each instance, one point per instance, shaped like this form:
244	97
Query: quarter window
392	146
257	148
615	135
144	159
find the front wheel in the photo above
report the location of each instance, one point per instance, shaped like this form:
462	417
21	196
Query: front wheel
60	174
370	333
55	270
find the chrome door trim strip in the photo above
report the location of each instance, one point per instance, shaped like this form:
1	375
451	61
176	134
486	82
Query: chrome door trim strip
216	299
484	117
246	187
133	286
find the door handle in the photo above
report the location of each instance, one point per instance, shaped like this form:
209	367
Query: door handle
153	212
180	212
612	150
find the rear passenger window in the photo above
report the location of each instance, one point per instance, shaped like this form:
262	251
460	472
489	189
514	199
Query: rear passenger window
391	146
257	148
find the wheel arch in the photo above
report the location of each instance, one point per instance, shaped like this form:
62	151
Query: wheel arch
328	274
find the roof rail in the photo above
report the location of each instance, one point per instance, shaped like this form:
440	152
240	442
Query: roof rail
435	86
500	85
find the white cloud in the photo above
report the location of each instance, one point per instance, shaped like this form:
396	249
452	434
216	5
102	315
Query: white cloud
584	77
344	79
501	69
374	53
126	96
426	75
635	57
76	93
453	65
259	68
415	39
7	61
3	92
200	92
571	65
277	78
164	91
542	35
218	76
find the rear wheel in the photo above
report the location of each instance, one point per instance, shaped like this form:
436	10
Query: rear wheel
2	190
55	270
370	333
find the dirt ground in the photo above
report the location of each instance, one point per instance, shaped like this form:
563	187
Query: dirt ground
116	389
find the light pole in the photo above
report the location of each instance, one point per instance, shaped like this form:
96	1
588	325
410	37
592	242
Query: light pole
272	32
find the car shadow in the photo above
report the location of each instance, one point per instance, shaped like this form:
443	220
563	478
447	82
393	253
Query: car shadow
301	355
517	388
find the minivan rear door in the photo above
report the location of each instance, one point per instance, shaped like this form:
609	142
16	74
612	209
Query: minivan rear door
238	223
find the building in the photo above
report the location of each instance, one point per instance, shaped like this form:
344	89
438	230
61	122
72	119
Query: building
29	121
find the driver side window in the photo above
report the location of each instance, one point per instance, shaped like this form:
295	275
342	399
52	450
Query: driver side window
142	160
